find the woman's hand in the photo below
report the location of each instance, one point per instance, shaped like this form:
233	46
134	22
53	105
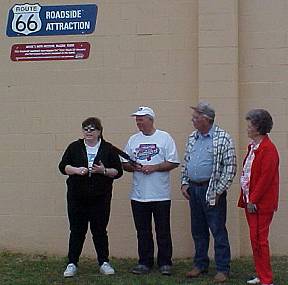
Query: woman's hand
101	169
251	208
81	171
71	170
98	168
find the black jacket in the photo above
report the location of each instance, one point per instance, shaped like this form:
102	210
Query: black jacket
85	187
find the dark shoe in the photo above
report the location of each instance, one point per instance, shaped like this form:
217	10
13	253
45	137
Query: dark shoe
221	277
140	269
195	272
165	269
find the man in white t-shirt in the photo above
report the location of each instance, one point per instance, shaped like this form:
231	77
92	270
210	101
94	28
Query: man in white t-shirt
156	154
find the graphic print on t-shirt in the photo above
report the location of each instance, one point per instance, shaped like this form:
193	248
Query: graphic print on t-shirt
146	151
91	157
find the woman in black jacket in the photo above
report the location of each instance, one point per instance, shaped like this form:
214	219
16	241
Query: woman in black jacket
91	165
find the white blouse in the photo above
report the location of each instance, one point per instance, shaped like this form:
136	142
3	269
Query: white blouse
246	172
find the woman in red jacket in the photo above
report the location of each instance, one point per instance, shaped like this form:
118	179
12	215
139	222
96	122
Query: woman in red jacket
260	190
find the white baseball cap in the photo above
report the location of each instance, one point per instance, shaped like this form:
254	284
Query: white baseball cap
144	111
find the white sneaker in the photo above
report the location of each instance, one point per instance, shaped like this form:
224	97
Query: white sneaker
253	280
71	270
106	269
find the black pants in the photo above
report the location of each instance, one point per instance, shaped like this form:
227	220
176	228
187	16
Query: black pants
142	214
97	212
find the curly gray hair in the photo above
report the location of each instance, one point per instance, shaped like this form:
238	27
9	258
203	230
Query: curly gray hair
261	119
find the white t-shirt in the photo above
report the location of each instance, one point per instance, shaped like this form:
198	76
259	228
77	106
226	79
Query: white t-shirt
92	152
153	149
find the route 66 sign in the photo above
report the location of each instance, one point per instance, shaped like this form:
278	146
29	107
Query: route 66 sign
32	19
26	18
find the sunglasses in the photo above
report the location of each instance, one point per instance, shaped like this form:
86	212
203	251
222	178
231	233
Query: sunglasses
89	129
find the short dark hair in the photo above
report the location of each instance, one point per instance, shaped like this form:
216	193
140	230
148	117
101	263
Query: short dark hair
261	120
95	122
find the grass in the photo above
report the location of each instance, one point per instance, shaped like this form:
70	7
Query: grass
20	269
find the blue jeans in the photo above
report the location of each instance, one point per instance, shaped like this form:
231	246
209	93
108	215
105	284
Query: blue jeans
203	218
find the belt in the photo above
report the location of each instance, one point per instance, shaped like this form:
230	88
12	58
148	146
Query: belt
202	183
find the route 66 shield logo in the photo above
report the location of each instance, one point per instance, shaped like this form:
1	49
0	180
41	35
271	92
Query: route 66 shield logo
26	18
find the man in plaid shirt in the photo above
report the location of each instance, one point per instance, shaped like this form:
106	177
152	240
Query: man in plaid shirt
207	173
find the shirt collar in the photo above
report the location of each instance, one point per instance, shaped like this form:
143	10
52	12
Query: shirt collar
255	145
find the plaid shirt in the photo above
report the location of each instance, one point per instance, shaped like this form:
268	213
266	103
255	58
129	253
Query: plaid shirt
224	163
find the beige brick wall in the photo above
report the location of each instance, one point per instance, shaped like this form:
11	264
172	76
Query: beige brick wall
218	82
142	53
262	81
165	54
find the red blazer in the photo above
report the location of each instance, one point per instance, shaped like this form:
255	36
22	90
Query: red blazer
264	179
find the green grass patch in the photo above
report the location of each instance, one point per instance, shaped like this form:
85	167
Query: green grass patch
20	269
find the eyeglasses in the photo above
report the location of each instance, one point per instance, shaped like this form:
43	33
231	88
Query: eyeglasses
89	129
